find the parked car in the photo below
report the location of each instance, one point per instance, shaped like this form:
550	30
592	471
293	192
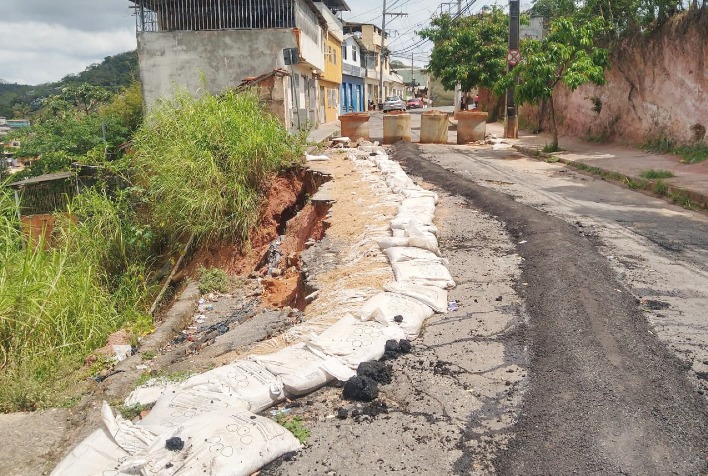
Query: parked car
414	103
394	103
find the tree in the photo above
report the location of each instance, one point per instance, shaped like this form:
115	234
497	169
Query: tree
566	55
396	64
470	50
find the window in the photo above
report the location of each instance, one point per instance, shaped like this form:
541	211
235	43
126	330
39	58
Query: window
344	52
335	57
329	54
353	53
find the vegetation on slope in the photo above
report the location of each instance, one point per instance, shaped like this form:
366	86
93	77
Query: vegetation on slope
202	165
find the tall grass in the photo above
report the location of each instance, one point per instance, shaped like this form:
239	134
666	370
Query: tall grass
201	166
59	302
203	163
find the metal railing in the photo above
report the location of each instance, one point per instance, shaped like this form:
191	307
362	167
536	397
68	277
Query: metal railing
192	15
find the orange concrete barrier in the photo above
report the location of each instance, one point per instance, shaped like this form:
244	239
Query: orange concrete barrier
433	127
396	126
355	125
471	126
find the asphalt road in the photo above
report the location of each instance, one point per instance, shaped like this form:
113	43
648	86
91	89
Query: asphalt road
605	395
580	346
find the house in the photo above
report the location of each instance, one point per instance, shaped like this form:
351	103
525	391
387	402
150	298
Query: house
215	45
331	79
370	38
353	74
417	81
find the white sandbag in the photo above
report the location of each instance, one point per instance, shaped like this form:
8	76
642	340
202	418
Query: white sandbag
416	205
426	241
420	238
247	380
389	241
409	253
151	391
402	220
432	296
415	192
217	443
315	158
130	437
354	341
173	409
98	454
397	310
300	370
423	272
398	233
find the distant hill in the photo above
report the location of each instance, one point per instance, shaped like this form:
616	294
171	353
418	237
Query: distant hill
113	73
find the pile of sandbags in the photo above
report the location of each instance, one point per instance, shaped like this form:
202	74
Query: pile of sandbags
209	423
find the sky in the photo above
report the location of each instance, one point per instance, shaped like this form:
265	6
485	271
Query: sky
44	40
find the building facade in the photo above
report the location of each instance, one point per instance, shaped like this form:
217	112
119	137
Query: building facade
331	79
215	45
372	60
353	88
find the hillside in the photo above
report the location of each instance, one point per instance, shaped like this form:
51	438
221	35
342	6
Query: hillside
113	72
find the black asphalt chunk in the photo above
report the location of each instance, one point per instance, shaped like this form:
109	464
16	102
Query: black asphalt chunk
376	371
363	389
174	444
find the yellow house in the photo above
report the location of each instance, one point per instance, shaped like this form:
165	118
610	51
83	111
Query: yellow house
331	77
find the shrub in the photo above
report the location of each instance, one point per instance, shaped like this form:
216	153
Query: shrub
213	279
203	163
652	174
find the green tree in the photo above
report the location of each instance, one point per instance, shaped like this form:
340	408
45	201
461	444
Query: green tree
470	50
566	55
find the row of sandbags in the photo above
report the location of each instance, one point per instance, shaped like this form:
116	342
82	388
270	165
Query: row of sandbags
208	424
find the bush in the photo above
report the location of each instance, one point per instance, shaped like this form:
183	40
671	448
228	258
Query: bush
213	279
203	163
59	303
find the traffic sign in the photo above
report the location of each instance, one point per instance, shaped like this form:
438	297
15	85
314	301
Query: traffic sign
513	57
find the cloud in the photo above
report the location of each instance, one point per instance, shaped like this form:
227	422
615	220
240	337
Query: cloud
84	15
35	52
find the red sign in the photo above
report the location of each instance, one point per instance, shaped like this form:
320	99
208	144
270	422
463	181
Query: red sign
513	57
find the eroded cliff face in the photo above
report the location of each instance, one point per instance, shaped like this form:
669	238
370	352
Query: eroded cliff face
657	87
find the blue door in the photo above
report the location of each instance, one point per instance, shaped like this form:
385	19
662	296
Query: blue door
343	98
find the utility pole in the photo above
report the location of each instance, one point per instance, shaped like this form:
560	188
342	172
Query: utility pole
383	47
412	81
511	128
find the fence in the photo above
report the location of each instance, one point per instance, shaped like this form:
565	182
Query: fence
162	15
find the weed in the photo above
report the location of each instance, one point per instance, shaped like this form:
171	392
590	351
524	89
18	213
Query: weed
552	159
213	279
661	187
601	138
549	148
294	425
131	412
681	198
660	145
694	153
652	174
148	355
161	377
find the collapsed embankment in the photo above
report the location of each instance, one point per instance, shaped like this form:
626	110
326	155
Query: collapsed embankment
657	88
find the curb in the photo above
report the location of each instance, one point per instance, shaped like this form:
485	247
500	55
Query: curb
672	193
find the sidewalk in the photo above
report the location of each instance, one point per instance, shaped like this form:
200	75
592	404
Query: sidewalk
622	163
324	132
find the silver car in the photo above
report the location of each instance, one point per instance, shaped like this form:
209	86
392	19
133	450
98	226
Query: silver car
394	103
